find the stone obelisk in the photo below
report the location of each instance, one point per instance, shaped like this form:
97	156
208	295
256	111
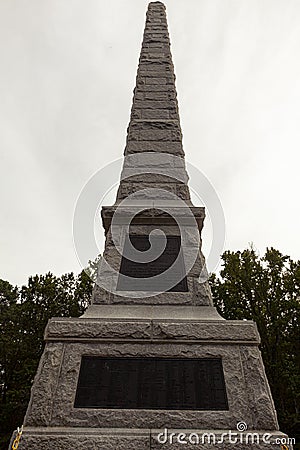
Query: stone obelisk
151	361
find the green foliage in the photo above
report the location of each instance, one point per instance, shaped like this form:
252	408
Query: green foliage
267	290
24	314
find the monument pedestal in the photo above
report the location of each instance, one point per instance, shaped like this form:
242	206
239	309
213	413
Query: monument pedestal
53	422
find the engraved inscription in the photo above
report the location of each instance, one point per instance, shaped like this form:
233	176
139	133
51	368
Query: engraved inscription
151	383
171	257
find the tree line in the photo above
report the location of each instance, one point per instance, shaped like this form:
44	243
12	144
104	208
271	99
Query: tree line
267	290
264	289
24	313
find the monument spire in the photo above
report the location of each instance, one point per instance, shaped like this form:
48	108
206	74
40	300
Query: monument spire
154	122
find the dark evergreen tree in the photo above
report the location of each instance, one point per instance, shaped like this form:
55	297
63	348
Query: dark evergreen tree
267	290
24	314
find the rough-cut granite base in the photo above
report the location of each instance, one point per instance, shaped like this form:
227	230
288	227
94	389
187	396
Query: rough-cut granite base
144	331
146	439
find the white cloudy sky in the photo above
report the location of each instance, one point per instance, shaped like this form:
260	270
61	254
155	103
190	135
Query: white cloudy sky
67	72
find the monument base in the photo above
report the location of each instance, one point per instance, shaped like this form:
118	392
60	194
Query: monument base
55	421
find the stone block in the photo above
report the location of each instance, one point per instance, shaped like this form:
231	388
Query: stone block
164	60
172	147
155	88
159	162
156	104
214	332
97	329
155	57
166	68
152	179
156	48
42	398
155	96
149	328
151	38
163	73
152	80
154	31
155	135
155	113
264	414
151	124
57	438
164	299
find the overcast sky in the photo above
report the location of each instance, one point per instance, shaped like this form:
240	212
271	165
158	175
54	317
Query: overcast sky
67	73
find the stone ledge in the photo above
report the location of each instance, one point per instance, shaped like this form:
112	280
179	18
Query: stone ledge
84	439
70	438
145	312
156	212
150	329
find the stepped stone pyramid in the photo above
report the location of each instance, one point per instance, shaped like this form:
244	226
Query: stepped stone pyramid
151	358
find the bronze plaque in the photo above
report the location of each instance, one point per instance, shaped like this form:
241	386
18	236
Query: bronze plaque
151	383
146	271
